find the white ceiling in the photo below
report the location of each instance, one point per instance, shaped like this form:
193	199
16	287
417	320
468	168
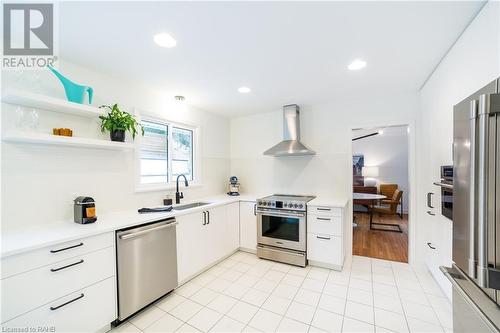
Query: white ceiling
286	52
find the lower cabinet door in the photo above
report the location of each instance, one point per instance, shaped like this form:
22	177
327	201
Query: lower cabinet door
217	235
324	248
86	310
192	240
24	292
232	239
248	226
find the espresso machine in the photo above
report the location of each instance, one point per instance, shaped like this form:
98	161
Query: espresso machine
234	186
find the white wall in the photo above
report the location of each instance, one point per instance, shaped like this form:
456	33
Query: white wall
325	129
471	63
389	152
40	182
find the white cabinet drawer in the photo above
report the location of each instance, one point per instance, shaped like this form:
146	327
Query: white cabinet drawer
330	225
73	312
27	261
324	248
26	291
324	211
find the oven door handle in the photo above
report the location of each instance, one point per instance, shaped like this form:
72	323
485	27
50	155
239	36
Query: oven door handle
270	213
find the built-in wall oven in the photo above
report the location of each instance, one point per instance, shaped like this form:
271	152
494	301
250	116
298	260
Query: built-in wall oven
281	228
446	185
447	191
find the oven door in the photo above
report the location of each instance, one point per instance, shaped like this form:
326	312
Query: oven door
284	229
447	202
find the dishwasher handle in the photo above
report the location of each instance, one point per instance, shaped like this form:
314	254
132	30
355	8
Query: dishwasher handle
146	231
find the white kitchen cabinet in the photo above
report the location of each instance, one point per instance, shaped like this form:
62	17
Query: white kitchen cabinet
91	309
203	238
61	286
326	234
191	248
232	240
216	233
248	226
20	294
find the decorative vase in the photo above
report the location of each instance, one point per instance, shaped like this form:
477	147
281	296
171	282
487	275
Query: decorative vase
117	135
74	92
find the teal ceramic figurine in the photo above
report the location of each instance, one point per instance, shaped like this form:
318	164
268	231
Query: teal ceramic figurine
74	92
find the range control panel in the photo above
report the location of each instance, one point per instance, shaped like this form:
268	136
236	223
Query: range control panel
285	202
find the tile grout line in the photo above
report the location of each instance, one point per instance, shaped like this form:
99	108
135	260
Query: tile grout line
272	268
401	301
346	297
291	301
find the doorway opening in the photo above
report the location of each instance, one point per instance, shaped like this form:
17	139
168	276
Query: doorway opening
380	171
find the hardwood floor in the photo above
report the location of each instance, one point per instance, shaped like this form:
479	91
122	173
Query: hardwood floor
380	244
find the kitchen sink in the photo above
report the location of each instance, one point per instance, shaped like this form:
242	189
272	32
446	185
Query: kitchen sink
191	205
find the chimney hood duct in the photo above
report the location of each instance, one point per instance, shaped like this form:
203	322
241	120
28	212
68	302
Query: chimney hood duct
291	145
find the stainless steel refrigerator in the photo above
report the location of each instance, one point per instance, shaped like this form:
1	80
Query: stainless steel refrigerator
475	274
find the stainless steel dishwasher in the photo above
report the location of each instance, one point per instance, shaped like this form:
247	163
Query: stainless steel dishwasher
146	265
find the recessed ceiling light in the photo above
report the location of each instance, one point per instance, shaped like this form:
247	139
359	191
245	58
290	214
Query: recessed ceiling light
244	90
357	64
165	40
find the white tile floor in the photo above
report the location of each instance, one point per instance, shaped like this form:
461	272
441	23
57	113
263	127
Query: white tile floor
247	294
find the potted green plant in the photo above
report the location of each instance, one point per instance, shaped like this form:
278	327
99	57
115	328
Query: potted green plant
116	122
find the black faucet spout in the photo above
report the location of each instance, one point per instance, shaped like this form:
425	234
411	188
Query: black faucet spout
179	195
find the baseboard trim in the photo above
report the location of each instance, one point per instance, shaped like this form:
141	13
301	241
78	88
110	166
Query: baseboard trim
326	265
244	249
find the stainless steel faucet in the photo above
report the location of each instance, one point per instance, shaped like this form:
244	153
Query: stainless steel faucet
180	195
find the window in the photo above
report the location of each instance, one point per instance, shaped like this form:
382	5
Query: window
166	151
182	152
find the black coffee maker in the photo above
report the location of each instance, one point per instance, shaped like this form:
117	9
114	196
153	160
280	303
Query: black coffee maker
84	209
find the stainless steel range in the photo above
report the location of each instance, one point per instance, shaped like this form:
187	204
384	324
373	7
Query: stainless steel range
281	228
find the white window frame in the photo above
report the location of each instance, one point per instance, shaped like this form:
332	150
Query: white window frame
196	182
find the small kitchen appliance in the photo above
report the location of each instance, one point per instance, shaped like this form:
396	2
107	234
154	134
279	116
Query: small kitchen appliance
234	186
281	228
84	210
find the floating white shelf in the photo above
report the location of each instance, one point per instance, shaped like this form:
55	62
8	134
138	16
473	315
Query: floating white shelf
39	101
77	142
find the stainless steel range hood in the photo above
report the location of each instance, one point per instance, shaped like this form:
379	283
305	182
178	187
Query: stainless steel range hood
291	145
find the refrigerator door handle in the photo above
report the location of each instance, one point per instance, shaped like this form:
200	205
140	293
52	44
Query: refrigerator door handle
472	191
482	192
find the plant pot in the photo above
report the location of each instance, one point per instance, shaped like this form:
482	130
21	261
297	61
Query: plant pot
117	135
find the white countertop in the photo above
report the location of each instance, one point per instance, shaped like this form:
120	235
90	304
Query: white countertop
328	201
19	240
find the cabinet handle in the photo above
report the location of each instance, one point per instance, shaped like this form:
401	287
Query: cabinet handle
66	248
68	302
323	219
325	238
255	209
67	266
430	213
429	199
429	245
204	218
208	215
325	209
